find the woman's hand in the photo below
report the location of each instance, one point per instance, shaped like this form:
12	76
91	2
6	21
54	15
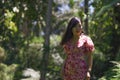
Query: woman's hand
88	76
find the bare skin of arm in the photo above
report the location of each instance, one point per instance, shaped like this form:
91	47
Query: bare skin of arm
89	62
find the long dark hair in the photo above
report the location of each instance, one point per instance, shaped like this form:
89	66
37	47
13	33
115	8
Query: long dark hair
68	34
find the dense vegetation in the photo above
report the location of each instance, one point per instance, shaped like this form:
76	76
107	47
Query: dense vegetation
31	30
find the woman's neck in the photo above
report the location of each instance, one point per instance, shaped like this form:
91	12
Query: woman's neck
75	39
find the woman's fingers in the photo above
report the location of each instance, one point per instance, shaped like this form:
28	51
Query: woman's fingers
88	76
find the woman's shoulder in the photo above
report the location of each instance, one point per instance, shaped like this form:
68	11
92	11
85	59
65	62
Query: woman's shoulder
84	36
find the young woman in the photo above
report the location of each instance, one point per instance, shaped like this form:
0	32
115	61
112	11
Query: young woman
79	48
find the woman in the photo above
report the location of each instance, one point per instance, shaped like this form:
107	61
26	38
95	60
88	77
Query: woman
78	47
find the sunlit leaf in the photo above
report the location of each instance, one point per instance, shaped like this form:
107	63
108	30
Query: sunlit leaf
104	8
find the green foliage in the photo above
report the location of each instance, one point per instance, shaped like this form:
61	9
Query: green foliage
17	37
8	27
113	73
37	40
9	24
55	65
72	3
104	33
31	57
106	6
98	63
55	40
7	72
98	32
11	39
118	56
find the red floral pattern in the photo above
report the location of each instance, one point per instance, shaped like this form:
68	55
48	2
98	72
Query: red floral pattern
75	67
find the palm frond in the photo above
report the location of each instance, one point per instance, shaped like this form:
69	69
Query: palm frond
106	7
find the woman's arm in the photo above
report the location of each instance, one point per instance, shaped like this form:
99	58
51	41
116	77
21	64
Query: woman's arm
89	63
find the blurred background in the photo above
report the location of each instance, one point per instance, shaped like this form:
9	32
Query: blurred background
31	30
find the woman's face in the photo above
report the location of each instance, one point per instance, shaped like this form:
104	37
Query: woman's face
77	30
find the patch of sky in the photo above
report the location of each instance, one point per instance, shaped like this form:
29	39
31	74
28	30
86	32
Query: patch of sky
64	7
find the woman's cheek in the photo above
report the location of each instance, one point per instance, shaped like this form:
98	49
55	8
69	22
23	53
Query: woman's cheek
74	32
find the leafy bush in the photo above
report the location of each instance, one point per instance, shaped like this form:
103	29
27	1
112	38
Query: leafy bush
7	72
113	73
29	57
98	63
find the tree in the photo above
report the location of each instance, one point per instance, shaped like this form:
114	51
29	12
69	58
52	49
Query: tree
86	19
45	60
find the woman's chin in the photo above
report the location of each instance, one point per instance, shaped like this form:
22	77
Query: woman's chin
77	34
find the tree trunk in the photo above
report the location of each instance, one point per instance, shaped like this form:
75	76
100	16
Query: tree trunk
86	20
47	41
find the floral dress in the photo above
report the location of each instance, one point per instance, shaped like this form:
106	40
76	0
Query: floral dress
75	67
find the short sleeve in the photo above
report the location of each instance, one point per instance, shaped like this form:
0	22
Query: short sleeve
89	45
